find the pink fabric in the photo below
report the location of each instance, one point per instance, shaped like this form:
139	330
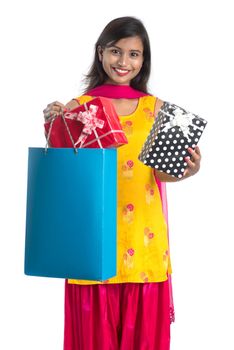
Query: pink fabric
127	316
115	91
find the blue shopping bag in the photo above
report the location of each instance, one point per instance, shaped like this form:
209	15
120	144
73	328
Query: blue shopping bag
71	213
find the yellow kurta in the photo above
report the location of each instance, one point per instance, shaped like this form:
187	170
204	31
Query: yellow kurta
142	242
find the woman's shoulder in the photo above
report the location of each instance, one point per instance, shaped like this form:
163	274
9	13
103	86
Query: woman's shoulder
158	105
154	101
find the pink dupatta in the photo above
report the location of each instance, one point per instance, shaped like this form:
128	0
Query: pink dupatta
125	91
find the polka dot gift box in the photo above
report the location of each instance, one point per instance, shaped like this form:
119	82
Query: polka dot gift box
173	132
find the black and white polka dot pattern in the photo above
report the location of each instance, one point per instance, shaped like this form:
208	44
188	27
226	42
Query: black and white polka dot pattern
173	131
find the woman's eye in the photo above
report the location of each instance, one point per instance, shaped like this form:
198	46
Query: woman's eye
134	54
115	52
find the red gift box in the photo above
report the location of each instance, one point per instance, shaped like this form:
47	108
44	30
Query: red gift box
94	124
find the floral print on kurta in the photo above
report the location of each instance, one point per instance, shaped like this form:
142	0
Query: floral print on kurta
128	168
142	242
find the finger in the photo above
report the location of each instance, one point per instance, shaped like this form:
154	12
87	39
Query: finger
56	109
49	116
56	103
197	150
186	172
51	109
195	155
190	163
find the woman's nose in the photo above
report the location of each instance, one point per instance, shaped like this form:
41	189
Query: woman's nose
123	60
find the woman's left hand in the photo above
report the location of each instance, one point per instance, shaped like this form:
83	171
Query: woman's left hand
193	162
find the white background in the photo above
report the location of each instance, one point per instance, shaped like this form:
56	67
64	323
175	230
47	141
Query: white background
46	47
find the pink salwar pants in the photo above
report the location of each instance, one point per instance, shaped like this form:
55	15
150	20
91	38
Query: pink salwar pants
126	316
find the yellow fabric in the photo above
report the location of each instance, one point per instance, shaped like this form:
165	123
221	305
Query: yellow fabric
142	243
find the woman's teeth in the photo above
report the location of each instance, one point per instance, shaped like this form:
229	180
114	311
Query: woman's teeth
121	71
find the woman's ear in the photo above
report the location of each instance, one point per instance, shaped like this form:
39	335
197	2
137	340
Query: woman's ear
100	52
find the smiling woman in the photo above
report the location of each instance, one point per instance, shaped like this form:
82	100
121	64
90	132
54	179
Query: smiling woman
134	309
123	61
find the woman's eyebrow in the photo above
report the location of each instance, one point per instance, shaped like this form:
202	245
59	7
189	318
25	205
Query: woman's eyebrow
119	48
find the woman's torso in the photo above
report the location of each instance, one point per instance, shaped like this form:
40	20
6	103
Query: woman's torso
142	243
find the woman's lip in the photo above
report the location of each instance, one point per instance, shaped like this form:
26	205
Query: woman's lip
121	72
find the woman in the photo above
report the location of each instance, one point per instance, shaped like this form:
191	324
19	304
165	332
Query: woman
133	309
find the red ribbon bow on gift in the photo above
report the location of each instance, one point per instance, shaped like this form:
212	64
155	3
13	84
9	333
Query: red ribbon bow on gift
90	121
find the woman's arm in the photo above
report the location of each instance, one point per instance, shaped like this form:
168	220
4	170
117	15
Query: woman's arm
72	104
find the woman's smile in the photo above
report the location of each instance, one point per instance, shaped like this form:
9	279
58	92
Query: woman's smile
121	72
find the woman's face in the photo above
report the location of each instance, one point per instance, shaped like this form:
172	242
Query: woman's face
122	61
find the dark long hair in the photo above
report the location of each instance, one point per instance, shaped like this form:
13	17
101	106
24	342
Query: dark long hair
115	30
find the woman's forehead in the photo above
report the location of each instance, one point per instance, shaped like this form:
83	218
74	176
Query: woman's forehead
130	43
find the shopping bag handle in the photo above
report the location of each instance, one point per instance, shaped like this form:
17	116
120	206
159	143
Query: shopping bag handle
68	130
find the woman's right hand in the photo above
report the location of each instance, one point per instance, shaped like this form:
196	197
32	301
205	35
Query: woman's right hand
53	109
